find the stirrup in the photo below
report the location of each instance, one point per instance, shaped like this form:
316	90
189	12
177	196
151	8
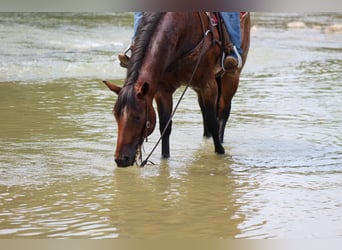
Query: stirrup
127	49
239	59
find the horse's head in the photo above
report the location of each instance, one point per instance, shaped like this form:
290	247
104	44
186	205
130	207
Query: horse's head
136	120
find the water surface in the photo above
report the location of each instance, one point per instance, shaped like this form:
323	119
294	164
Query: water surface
280	176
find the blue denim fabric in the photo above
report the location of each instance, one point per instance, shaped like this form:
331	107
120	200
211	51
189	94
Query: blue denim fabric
137	18
232	22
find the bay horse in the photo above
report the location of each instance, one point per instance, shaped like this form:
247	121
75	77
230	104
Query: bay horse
172	49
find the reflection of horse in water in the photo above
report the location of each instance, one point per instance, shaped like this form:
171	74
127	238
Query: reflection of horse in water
171	201
173	49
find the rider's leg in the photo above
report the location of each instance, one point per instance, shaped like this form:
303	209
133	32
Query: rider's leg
123	57
232	23
137	19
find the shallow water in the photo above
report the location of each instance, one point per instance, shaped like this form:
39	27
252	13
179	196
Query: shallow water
280	176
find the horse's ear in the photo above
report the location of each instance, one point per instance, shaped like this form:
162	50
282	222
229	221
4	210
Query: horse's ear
113	87
142	90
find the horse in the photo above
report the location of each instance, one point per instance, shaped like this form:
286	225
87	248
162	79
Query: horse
172	49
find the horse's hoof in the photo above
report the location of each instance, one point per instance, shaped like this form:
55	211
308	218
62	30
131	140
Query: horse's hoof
220	150
208	136
165	156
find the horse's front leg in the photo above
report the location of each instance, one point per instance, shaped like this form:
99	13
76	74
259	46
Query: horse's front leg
206	132
209	101
164	106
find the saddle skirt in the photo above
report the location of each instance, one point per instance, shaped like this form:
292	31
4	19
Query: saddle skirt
224	38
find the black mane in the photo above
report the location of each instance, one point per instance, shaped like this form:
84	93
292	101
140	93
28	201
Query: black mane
145	31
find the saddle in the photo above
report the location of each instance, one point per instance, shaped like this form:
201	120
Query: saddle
224	39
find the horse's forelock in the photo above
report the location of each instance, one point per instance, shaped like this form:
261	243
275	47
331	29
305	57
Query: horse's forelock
125	98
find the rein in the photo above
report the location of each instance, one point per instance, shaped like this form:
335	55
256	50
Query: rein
205	34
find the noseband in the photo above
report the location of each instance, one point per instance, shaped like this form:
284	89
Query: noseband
147	124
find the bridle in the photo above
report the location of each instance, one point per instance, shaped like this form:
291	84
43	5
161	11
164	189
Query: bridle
147	123
144	134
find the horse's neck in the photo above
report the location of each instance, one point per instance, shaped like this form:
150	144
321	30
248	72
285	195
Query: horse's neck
172	40
161	52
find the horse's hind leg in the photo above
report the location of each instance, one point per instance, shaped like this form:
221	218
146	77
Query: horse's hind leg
229	86
208	99
164	106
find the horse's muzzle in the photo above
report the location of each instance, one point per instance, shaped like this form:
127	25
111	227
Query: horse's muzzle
124	161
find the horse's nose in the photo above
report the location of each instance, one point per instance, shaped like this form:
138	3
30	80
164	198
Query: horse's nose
123	161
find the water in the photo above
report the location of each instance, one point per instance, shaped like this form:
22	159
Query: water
280	176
